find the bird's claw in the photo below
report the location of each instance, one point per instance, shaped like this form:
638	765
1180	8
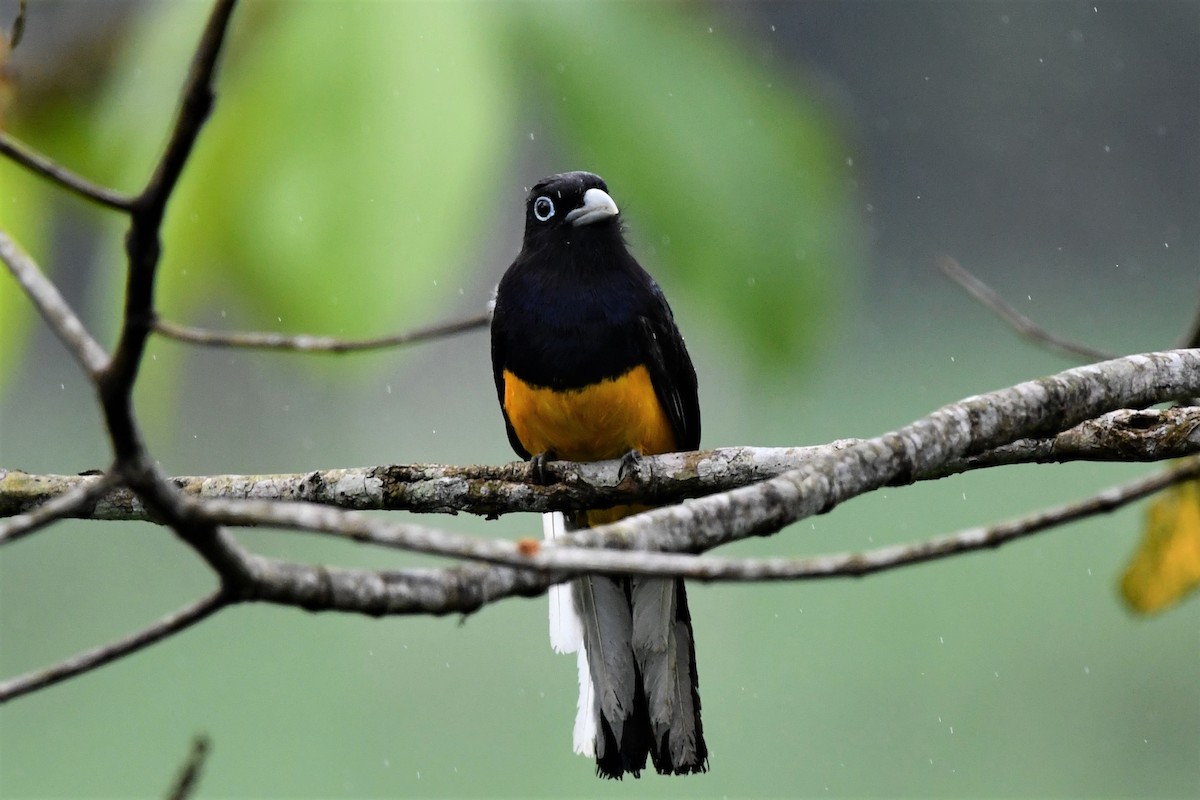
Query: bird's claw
630	464
537	466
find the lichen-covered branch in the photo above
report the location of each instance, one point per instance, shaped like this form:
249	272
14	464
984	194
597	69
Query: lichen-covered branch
76	501
1125	435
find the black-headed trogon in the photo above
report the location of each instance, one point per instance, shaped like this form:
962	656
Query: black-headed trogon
589	365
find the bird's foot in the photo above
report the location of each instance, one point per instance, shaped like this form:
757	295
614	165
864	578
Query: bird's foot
537	467
631	463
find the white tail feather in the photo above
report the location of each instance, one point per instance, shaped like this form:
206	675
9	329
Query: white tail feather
566	636
588	711
566	631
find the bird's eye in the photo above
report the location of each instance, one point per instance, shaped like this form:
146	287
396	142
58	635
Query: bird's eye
543	208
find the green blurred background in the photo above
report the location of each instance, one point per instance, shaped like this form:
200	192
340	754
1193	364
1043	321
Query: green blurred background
788	171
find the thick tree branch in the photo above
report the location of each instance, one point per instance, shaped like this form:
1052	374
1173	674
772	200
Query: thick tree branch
1125	435
54	309
466	588
1032	409
1022	324
78	501
305	343
40	164
563	557
98	657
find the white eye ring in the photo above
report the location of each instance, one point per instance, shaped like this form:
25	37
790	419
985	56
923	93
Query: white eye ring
543	208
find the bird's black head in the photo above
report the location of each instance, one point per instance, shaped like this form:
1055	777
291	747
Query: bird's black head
563	206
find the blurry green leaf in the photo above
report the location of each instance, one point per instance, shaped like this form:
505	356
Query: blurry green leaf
331	189
22	211
739	177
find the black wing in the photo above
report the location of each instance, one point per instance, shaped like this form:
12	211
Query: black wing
671	371
499	361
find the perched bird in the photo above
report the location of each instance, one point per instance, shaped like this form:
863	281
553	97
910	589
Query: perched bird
589	366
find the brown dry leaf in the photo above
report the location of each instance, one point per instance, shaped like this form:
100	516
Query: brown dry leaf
1166	565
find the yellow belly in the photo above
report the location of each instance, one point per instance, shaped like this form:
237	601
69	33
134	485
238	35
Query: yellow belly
601	421
598	422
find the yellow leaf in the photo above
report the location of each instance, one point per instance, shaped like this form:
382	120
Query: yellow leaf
1166	565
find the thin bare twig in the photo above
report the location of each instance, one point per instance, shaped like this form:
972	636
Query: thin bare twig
53	307
1020	323
314	344
99	656
55	173
78	500
189	775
